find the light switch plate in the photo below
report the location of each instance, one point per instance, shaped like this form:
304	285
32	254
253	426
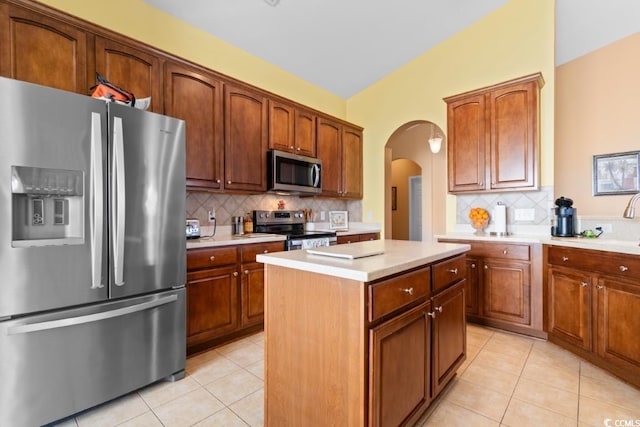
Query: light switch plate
525	214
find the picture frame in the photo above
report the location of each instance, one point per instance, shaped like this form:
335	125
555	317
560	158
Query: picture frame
616	173
394	198
338	220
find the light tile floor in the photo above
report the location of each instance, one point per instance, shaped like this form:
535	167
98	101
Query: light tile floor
507	380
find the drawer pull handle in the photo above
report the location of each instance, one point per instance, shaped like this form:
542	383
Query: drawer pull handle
598	287
439	309
623	268
584	284
565	258
407	290
235	274
504	251
453	270
212	258
432	314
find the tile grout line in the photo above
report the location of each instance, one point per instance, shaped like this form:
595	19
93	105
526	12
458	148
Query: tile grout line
517	382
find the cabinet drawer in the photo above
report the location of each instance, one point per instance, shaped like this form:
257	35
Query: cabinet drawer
394	293
369	236
595	261
448	272
211	257
249	252
501	250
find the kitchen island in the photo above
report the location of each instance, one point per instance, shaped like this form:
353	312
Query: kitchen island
363	341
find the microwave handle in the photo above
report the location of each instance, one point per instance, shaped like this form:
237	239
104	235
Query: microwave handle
315	175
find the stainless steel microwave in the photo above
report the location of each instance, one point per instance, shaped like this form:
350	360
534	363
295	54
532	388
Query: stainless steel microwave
293	174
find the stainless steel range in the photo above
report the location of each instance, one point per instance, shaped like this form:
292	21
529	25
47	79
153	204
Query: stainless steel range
291	223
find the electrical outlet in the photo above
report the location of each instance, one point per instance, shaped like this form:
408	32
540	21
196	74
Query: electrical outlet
607	228
212	215
322	218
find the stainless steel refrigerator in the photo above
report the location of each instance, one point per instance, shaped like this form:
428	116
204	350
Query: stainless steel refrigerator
92	252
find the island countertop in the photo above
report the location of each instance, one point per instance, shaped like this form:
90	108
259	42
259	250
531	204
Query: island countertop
397	256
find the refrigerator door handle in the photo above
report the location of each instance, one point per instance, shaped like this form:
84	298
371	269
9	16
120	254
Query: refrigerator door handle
96	200
119	201
95	317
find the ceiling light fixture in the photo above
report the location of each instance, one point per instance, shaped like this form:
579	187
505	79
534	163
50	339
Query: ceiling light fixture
273	3
435	142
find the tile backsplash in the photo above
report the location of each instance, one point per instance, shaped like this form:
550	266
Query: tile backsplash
228	205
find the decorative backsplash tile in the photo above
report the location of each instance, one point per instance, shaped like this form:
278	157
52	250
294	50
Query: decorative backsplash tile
228	205
540	201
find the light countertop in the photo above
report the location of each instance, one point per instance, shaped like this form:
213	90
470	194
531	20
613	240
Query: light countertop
397	256
630	247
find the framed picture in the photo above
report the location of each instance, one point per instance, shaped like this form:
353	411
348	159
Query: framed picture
394	198
338	220
616	173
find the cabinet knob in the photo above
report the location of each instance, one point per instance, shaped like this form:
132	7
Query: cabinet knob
486	267
453	270
291	147
432	314
298	148
407	290
348	241
565	258
623	268
473	265
584	284
504	251
212	258
598	287
229	182
439	309
235	274
266	251
246	272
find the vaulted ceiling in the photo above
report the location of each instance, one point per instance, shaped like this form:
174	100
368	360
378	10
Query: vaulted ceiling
344	46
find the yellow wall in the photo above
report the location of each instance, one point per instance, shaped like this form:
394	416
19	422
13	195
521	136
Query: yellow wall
142	22
596	113
515	40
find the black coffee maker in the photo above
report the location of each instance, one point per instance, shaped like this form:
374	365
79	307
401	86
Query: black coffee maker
565	221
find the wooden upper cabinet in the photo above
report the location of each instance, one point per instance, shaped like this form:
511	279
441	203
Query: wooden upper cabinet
493	137
291	129
340	149
245	145
195	96
135	70
42	50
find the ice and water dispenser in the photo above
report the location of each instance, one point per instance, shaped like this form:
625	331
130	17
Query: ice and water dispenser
47	206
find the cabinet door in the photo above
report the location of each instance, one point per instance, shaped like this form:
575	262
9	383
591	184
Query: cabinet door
618	318
471	284
42	50
329	142
212	303
466	155
507	291
252	294
449	335
513	130
135	70
195	96
245	145
399	368
305	132
351	163
569	306
281	126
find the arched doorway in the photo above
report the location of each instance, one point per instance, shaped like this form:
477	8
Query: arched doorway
409	145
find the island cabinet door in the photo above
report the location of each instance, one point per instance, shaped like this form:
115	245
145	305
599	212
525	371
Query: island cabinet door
399	368
449	335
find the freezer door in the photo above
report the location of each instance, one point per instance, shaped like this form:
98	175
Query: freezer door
61	363
52	236
147	205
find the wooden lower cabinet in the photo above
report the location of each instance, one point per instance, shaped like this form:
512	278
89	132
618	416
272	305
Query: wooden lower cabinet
504	283
400	372
225	293
353	238
593	301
